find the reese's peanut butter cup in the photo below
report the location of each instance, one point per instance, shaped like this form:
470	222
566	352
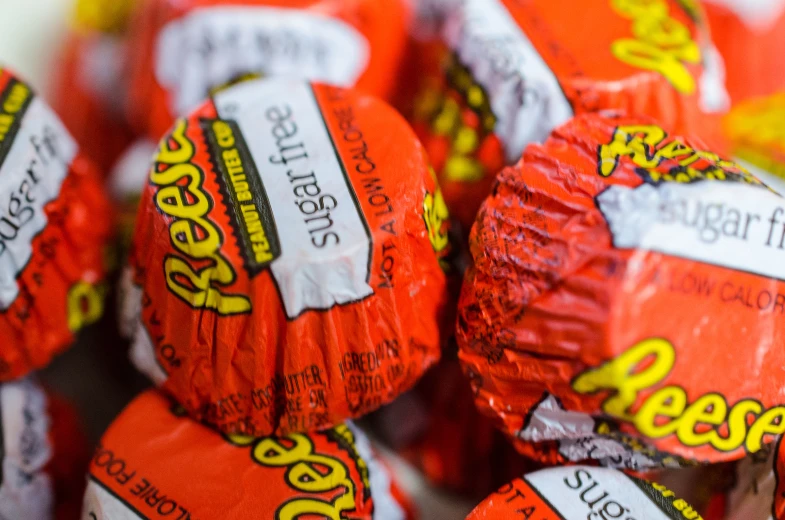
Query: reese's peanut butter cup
756	131
185	50
750	36
89	86
583	492
519	69
54	223
287	256
154	462
626	298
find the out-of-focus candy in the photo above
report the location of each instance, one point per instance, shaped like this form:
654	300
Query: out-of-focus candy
437	428
288	251
30	473
88	87
626	300
126	182
750	36
583	492
756	131
155	463
54	224
71	457
184	50
519	69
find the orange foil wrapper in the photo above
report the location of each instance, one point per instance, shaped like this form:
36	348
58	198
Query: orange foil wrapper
617	271
583	492
750	36
185	50
88	86
153	462
54	224
287	259
519	69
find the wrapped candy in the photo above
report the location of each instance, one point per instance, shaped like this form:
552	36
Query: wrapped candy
155	463
519	69
756	131
88	87
750	36
54	224
583	492
183	51
41	456
287	259
618	271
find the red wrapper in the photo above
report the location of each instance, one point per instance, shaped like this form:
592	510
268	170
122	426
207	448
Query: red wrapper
750	36
519	69
88	86
617	270
54	224
155	463
185	50
583	492
71	458
287	253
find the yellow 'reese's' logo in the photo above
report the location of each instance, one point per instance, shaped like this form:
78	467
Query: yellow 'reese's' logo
661	43
192	234
667	409
306	472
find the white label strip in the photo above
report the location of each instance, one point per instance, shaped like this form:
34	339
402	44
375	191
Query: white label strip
211	46
325	247
26	490
99	504
588	492
524	94
727	224
385	506
30	177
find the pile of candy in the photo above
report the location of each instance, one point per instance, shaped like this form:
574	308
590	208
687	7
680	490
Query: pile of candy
534	248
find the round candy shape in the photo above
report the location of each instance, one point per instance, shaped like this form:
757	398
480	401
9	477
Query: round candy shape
287	256
55	222
152	449
618	272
